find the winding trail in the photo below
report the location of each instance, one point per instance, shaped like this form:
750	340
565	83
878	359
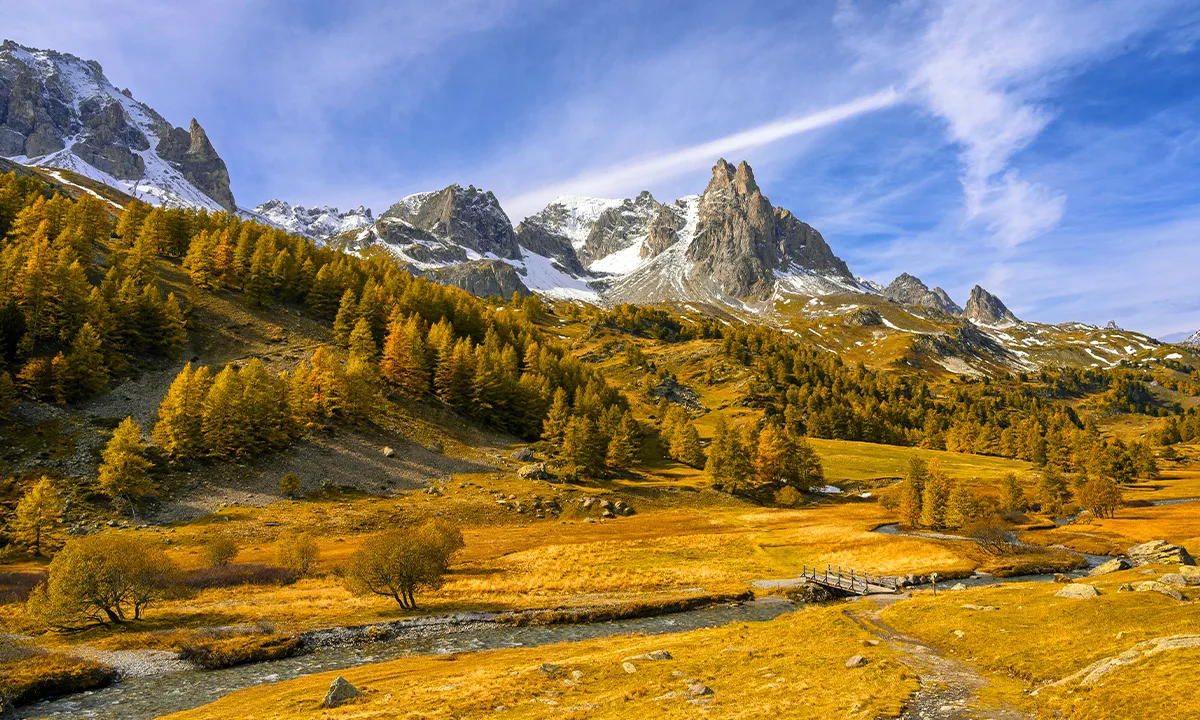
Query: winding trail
950	689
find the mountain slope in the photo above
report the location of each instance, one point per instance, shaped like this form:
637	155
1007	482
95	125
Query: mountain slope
59	111
317	223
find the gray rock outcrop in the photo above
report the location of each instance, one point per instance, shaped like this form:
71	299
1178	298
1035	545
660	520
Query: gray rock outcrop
985	308
1112	566
1160	552
909	290
1077	591
339	692
485	278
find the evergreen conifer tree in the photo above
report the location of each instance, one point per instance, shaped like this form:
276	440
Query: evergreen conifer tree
124	469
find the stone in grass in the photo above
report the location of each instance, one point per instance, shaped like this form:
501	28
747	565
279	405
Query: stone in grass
387	451
1077	591
1175	579
959	586
1112	566
629	667
549	669
652	655
857	661
699	690
1153	586
340	691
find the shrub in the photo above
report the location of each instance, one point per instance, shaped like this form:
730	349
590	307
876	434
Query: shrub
397	564
234	575
101	579
788	496
298	553
991	535
221	551
289	485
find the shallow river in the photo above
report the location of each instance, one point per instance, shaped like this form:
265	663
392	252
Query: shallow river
148	697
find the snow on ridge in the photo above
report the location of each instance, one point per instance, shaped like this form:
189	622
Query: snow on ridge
579	214
317	223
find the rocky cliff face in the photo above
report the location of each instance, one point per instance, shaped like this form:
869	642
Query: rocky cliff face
909	290
984	308
1193	339
468	217
60	111
318	223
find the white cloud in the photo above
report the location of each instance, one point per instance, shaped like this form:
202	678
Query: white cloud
628	176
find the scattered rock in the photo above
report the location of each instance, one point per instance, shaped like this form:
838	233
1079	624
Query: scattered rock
629	667
959	634
1155	586
577	675
387	451
699	690
524	454
959	586
969	606
1175	579
1077	591
1160	551
1111	566
607	514
653	655
856	661
550	669
1061	578
340	691
533	471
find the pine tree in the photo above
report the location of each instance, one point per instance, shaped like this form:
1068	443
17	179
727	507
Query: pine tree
934	497
453	377
8	395
362	342
131	220
771	458
913	492
179	430
1012	494
718	453
961	507
685	446
581	446
347	318
85	373
222	423
404	362
557	419
623	445
38	515
124	468
809	471
1054	490
174	335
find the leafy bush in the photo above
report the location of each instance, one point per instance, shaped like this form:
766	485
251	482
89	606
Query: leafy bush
289	485
221	551
109	578
397	564
298	553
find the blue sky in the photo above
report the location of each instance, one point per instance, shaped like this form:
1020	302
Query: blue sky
1047	149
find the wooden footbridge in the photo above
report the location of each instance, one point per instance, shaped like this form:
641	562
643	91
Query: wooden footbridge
849	580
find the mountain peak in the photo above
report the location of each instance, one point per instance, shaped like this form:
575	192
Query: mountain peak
909	290
984	308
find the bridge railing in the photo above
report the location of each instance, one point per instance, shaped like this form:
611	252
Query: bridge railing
847	578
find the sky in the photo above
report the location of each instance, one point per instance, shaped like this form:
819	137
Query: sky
1048	150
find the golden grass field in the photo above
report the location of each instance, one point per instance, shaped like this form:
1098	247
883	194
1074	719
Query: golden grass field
750	672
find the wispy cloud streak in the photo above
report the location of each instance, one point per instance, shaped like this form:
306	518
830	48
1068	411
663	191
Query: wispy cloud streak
635	174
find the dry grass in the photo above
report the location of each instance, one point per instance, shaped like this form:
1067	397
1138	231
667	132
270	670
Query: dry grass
750	671
1039	638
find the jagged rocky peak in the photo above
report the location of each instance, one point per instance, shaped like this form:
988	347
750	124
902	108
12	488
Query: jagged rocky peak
318	223
742	243
1193	339
60	111
619	227
469	217
909	290
984	308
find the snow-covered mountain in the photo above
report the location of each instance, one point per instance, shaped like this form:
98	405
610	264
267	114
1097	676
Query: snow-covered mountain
317	223
1193	339
59	111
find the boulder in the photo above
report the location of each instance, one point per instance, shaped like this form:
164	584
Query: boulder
1077	591
1161	552
533	471
699	690
629	667
1191	572
524	454
652	655
340	691
1061	578
1155	586
856	661
1174	579
549	669
387	451
959	586
1112	566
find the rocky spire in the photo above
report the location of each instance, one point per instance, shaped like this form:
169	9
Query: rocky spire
984	308
909	290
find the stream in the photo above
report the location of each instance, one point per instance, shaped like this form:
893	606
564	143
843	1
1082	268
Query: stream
151	696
